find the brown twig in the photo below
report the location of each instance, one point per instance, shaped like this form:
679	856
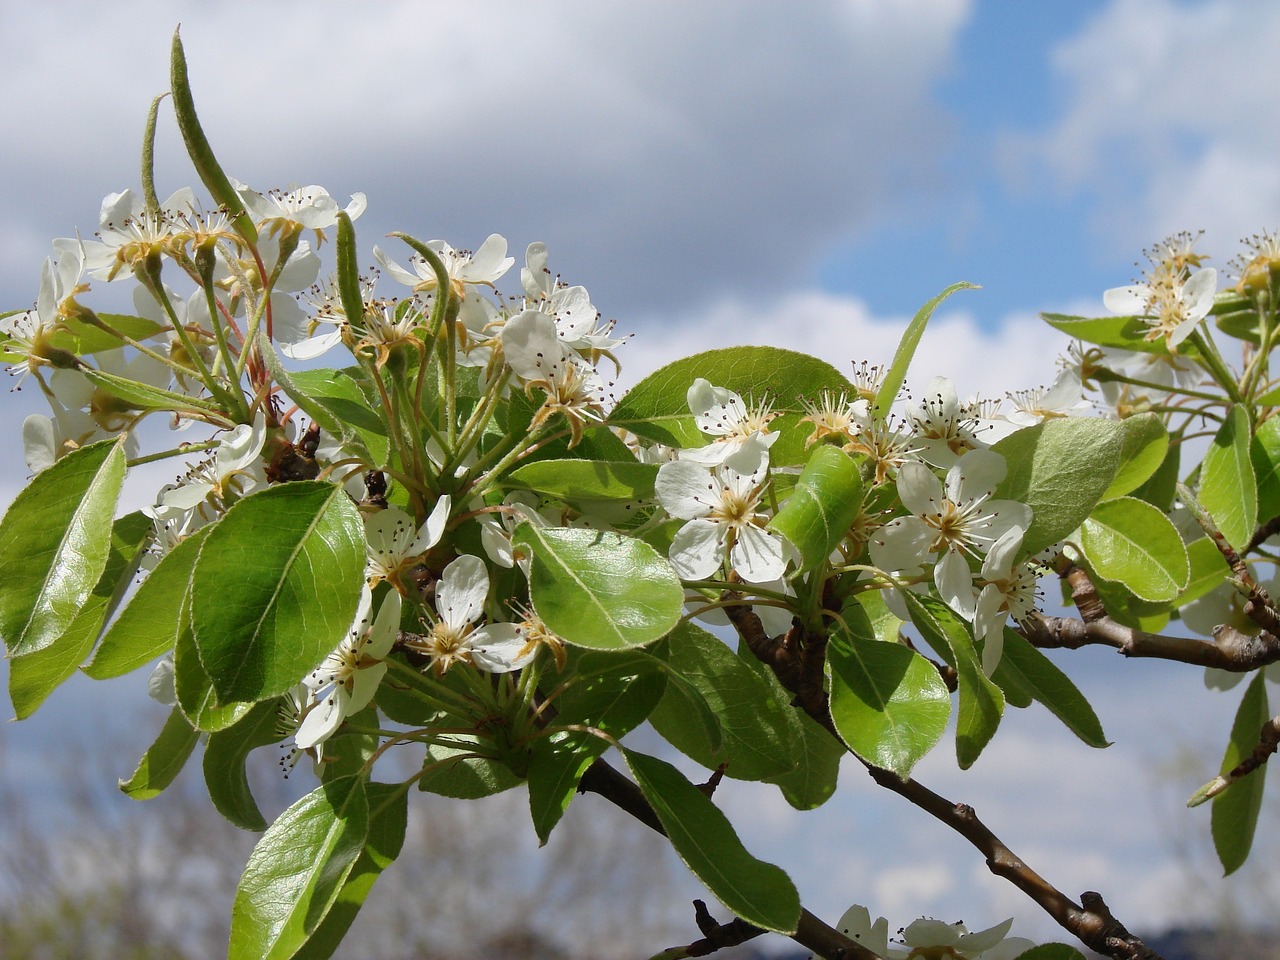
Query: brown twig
825	941
1090	921
1230	648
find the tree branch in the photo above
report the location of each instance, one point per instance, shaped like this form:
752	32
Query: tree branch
1230	648
1091	921
811	932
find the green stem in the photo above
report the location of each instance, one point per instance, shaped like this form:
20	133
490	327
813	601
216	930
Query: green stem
1216	366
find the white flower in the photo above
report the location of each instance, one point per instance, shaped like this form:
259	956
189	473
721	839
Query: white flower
287	211
1063	399
575	317
948	523
1008	590
27	334
835	415
348	678
724	522
857	926
160	687
394	546
1171	302
945	429
129	234
929	939
535	354
464	268
454	638
235	470
740	431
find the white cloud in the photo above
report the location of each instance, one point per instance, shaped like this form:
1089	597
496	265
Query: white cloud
1017	353
1168	121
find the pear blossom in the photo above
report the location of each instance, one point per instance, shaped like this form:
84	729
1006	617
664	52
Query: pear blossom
27	335
234	471
948	522
465	269
278	212
576	318
1008	590
1064	398
740	431
945	429
835	415
857	926
393	546
1172	300
928	939
454	636
129	234
347	679
535	354
725	523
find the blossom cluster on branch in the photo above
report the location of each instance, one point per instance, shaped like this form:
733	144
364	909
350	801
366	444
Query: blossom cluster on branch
462	542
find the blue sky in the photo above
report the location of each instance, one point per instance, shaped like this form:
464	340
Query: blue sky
722	173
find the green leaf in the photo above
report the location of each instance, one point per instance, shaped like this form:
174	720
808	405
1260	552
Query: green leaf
824	504
143	396
1228	489
198	148
600	590
1235	810
163	760
80	338
55	539
388	818
612	693
702	836
297	870
1145	441
758	729
1060	469
33	677
897	371
981	701
1042	679
657	408
346	405
578	480
1264	452
196	697
275	587
224	764
1209	571
1125	333
814	752
1159	488
151	622
888	703
1131	542
456	773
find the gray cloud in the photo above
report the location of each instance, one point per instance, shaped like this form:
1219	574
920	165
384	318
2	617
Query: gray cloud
668	153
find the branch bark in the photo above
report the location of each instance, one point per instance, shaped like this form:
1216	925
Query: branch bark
1230	648
790	657
825	941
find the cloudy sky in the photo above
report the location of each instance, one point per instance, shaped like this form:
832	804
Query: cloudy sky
718	173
